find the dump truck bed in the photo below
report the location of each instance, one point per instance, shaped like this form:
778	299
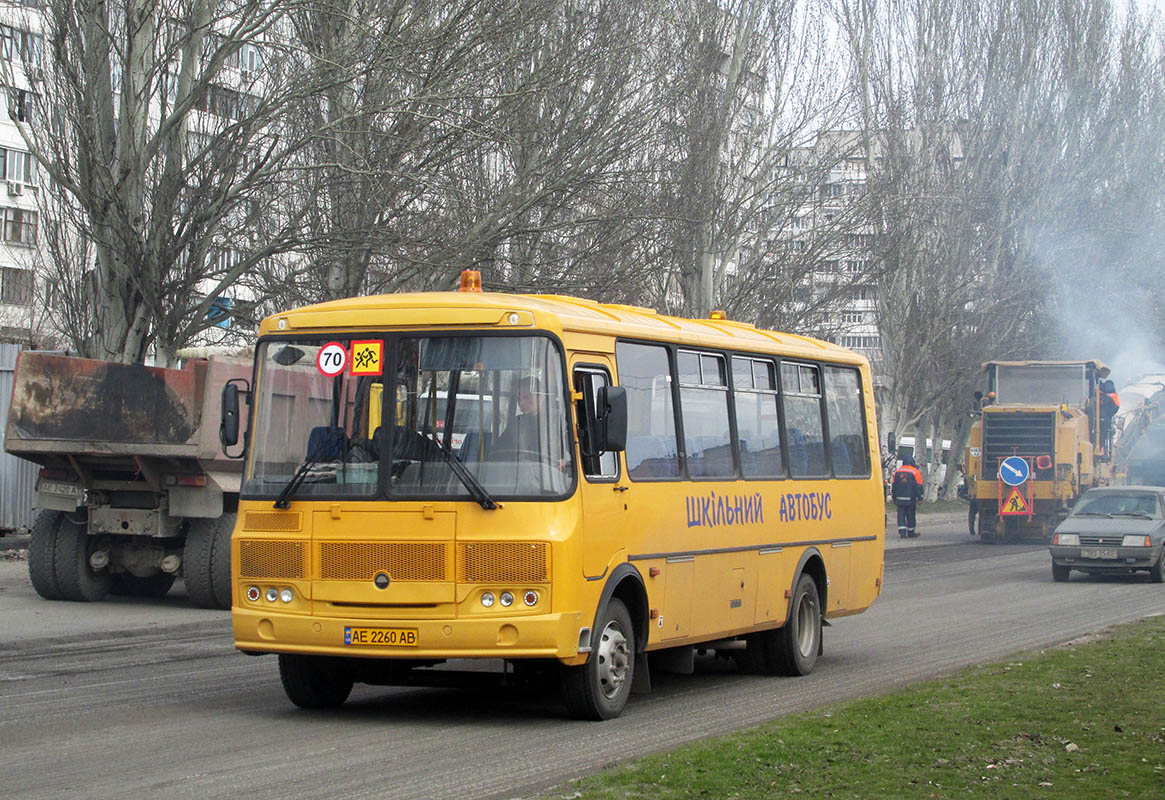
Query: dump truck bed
99	411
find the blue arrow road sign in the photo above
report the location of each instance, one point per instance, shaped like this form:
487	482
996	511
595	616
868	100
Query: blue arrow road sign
1013	470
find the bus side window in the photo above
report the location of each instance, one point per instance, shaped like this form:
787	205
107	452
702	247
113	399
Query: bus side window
757	424
588	381
801	403
644	372
704	410
847	438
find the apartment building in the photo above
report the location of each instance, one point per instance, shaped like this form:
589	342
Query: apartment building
21	54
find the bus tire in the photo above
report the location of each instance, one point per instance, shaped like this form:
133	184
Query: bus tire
599	689
42	548
77	579
315	682
206	561
133	586
796	645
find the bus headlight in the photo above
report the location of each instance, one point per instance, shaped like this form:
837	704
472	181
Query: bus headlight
530	598
253	594
487	599
507	599
286	595
272	594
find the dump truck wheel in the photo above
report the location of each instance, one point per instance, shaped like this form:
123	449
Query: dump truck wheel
207	564
220	560
78	580
42	548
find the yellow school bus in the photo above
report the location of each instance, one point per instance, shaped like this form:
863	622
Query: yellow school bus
563	484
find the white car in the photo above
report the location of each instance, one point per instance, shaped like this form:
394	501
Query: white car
1112	529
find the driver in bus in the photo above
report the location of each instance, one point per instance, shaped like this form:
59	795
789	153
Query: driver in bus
522	433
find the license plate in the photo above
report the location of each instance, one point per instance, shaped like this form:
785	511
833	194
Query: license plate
1098	554
61	489
382	637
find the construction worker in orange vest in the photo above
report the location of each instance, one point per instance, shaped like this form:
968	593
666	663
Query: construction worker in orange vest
1110	403
906	491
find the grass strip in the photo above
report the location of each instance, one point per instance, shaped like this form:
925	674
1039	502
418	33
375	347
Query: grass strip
1086	720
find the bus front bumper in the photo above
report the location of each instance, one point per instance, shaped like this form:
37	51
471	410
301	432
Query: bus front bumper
537	636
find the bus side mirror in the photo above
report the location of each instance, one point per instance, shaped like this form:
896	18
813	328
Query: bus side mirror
611	418
890	442
228	429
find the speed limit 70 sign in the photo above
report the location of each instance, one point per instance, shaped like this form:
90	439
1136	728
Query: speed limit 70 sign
332	359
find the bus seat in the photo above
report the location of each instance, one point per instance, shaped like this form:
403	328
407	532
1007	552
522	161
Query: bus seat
330	438
815	456
656	459
840	454
472	446
798	457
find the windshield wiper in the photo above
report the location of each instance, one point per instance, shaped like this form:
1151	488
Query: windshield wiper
1092	514
1140	514
315	457
476	490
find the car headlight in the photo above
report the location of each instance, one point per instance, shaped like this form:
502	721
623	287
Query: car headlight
1132	540
1068	539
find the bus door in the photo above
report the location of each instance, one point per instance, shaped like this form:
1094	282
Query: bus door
602	488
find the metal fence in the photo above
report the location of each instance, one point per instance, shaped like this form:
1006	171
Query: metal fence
17	476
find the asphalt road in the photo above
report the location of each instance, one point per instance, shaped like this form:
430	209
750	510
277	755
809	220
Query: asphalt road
150	699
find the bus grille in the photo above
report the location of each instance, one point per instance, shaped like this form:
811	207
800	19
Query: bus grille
271	521
402	561
271	559
1019	434
503	562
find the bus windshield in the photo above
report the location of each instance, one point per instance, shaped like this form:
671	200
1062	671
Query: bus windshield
402	408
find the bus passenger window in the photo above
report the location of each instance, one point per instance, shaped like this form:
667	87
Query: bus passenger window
645	374
704	410
588	381
757	425
801	402
847	439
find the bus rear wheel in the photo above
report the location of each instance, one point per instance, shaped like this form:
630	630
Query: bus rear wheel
794	647
315	681
599	688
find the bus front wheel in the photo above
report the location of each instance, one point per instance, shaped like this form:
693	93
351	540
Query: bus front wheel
599	688
315	681
796	645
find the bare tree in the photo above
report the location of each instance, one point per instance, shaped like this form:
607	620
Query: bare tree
975	114
157	125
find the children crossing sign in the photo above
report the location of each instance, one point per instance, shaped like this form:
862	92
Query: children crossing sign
1015	504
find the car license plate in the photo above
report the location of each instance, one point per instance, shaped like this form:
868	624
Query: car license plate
382	637
61	489
1098	554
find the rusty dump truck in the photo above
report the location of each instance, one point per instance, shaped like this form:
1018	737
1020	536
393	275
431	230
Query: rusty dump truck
135	489
1038	442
